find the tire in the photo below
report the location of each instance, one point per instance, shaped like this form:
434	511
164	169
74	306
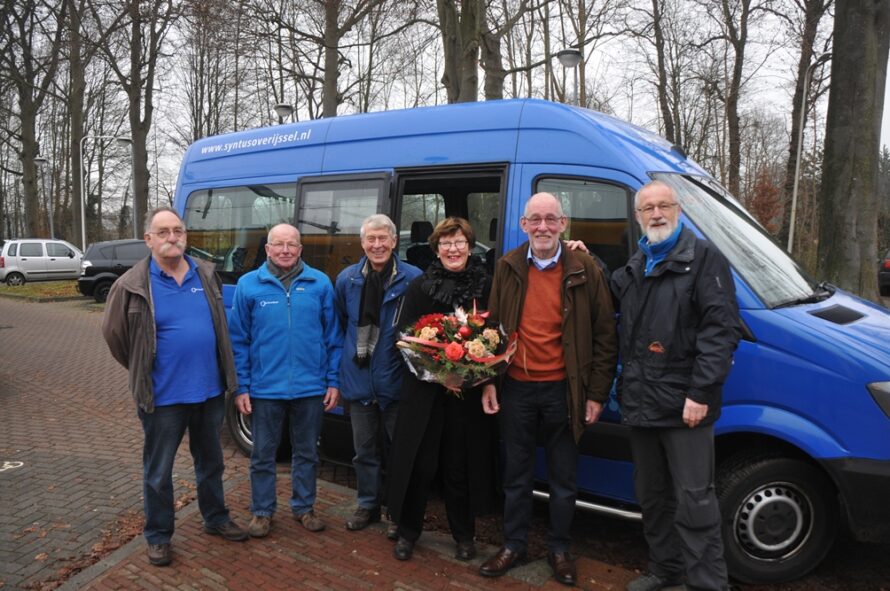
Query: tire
780	517
100	291
239	427
15	279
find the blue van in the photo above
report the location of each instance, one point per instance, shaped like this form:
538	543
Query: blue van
803	444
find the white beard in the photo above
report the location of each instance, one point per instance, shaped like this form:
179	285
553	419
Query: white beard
656	234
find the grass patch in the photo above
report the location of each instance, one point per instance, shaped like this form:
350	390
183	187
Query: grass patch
42	289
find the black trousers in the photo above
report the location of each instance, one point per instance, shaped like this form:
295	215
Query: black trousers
529	409
444	439
674	483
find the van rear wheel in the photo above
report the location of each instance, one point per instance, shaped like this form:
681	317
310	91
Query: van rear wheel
15	279
779	517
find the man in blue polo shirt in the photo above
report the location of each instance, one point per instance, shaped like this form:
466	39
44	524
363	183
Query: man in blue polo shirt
165	322
287	344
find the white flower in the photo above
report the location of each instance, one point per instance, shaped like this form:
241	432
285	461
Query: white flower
491	335
428	333
476	348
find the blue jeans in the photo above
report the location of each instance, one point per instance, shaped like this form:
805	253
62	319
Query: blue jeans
164	429
368	460
527	409
304	417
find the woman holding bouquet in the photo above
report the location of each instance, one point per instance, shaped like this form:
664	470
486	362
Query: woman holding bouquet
438	426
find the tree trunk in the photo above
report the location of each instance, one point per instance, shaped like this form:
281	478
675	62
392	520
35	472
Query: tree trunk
330	98
77	86
847	201
662	85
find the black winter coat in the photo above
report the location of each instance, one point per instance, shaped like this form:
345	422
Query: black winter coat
678	330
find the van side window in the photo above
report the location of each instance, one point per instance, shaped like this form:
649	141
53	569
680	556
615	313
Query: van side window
597	214
330	216
428	199
228	225
31	249
12	250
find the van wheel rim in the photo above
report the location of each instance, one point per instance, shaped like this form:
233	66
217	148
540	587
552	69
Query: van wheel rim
773	522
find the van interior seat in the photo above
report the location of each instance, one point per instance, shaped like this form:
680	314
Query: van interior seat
420	254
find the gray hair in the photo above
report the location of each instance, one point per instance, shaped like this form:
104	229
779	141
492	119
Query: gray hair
151	216
541	194
378	221
652	184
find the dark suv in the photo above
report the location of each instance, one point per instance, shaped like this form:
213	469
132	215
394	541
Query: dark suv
106	261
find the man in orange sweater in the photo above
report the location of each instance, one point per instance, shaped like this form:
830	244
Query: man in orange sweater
558	381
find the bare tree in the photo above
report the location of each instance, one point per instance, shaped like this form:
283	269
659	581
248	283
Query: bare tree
848	201
29	58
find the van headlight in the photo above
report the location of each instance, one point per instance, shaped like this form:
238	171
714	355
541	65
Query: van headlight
880	391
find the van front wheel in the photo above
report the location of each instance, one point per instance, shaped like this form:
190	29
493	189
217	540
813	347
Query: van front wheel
779	517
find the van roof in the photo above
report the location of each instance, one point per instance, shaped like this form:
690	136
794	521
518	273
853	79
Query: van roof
466	133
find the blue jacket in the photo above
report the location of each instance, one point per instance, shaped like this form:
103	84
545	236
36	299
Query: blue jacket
382	380
286	344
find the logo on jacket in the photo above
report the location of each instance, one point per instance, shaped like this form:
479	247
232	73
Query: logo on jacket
264	303
656	348
197	289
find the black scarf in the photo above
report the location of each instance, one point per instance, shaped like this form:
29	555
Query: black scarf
285	277
458	288
369	310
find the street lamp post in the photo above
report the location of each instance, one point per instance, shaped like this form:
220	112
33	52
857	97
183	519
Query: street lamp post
41	162
83	191
284	111
570	58
803	116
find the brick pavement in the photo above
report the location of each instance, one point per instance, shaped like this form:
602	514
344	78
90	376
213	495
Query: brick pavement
70	490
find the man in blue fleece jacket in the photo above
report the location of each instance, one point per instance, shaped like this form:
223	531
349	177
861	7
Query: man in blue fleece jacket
287	345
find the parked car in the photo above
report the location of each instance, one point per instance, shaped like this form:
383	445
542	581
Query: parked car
884	276
38	259
104	262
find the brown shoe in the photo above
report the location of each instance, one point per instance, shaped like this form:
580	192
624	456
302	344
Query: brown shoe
159	554
229	530
563	568
362	518
260	526
501	562
310	521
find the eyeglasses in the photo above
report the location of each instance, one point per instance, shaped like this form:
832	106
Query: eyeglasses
283	245
552	221
165	233
377	239
458	244
648	209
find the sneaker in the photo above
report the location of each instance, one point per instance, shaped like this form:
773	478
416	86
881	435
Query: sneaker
259	526
650	582
159	554
229	531
362	518
310	521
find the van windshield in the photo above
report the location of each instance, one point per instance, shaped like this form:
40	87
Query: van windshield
766	268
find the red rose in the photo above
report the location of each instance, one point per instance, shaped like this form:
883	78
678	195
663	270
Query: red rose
454	351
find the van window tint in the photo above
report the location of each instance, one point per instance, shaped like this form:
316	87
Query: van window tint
597	214
330	218
228	225
13	248
55	249
427	200
31	249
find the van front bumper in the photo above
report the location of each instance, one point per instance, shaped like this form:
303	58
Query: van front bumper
864	487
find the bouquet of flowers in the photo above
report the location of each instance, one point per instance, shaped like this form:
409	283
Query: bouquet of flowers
459	350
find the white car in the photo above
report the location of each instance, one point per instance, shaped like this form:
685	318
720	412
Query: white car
38	259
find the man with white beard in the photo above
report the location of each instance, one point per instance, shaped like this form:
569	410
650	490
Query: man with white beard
679	328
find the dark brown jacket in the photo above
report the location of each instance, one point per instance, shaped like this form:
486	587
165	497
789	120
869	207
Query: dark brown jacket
129	329
589	342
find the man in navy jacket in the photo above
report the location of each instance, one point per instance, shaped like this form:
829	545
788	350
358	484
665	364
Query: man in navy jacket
287	344
369	298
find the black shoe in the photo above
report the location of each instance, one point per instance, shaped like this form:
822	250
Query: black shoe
403	549
465	550
362	518
501	562
392	532
650	582
563	568
159	554
229	530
